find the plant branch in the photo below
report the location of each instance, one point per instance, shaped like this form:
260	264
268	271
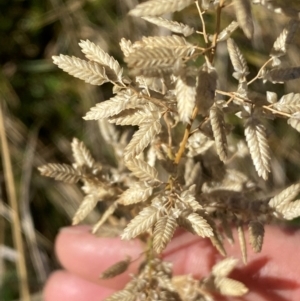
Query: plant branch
185	137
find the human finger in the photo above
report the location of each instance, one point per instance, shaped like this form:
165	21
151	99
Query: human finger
63	285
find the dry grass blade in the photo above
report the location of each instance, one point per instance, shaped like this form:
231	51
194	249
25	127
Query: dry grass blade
163	232
159	7
218	127
200	225
258	147
289	103
285	196
142	170
280	75
242	241
141	223
113	106
244	16
256	233
294	121
141	139
95	53
224	267
171	25
116	269
87	205
186	95
91	72
237	59
12	199
137	193
231	287
61	172
81	154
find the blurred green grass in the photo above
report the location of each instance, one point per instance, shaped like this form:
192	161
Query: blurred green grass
43	108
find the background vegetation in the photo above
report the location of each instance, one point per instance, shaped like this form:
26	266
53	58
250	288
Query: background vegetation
42	108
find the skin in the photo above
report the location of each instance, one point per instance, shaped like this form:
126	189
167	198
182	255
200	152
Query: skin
272	275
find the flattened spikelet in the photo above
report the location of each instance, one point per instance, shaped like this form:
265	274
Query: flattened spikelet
112	107
87	205
200	225
217	243
291	210
237	59
285	196
139	192
126	46
171	25
174	42
231	287
141	223
188	197
94	53
90	72
242	241
142	170
244	16
141	139
109	211
186	96
159	57
289	103
280	75
226	32
218	127
159	7
60	172
207	83
258	147
135	116
81	154
124	295
116	269
192	176
224	267
294	121
284	39
256	233
163	232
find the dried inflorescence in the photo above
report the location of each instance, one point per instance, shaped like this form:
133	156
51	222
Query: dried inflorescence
179	167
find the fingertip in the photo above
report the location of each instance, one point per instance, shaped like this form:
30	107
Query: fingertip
86	255
63	286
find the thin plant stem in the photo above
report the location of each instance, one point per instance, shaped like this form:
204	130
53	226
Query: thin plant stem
185	137
217	31
203	23
16	223
259	72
